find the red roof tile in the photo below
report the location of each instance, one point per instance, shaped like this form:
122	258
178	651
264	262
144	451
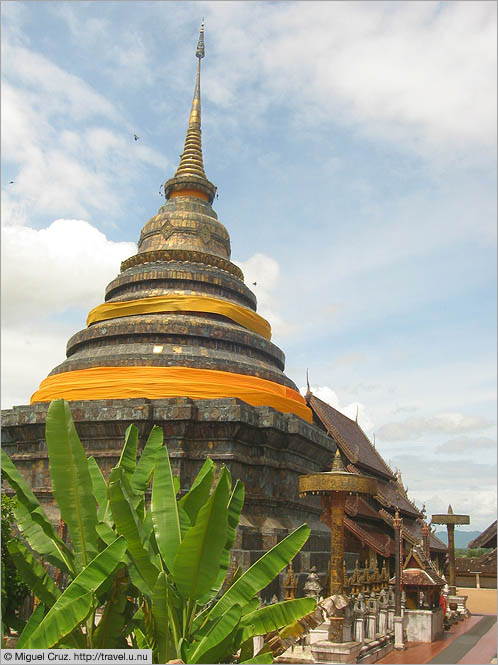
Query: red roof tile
486	539
349	436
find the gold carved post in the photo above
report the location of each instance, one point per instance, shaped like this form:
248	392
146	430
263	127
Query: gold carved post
337	504
333	487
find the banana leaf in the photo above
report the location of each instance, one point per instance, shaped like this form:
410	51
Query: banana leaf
235	505
273	617
128	525
128	457
56	625
176	484
99	488
33	622
109	631
198	494
161	618
108	536
86	585
140	640
71	481
164	510
262	572
145	466
208	650
196	564
33	573
32	521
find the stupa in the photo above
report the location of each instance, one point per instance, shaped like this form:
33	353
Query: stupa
178	342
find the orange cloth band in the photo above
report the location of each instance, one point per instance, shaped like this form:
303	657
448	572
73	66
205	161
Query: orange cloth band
182	303
162	382
189	192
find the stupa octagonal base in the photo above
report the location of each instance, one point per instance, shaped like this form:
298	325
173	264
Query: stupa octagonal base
266	449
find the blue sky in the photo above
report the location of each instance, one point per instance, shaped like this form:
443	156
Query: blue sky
354	150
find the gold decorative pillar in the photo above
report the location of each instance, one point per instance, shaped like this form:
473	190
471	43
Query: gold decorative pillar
337	505
333	487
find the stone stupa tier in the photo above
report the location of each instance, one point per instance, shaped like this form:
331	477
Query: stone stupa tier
178	321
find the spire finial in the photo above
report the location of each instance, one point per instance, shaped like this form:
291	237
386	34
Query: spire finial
338	464
199	53
357	408
191	163
308	389
450	510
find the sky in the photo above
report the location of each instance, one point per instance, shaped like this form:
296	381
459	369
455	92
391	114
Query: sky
353	145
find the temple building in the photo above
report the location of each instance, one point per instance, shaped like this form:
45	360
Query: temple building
178	343
479	572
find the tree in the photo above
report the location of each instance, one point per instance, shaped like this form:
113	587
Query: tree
14	591
159	571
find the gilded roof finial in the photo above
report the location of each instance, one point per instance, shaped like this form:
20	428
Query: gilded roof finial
191	162
338	464
308	389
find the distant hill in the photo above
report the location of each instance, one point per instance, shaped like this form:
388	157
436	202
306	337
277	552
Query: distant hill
462	538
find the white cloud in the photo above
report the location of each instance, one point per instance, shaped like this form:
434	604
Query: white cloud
59	168
469	486
48	275
30	350
261	274
66	265
415	428
416	74
351	410
464	444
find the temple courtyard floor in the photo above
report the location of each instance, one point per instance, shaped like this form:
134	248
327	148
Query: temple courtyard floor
471	641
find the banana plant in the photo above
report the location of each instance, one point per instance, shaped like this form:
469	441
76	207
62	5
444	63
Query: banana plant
158	571
93	565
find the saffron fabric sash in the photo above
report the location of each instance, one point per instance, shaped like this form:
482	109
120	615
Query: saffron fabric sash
162	382
182	303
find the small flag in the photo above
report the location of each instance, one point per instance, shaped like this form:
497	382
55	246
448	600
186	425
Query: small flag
200	44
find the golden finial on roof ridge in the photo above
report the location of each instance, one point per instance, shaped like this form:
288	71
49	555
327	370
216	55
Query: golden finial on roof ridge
338	464
191	162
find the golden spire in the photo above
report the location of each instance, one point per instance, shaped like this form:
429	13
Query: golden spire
191	160
338	464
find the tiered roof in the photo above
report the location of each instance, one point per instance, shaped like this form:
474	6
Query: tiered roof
368	519
486	539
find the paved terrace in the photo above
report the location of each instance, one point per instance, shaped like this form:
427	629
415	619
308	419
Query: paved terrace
472	641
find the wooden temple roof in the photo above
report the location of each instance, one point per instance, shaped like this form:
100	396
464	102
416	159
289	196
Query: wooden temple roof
483	564
350	438
486	539
363	457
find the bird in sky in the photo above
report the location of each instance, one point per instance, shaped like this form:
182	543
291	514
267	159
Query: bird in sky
136	137
254	283
11	182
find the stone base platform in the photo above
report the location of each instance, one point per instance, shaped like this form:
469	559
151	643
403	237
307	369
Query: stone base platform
266	449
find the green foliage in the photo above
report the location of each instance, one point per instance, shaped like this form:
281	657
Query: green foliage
158	572
14	591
